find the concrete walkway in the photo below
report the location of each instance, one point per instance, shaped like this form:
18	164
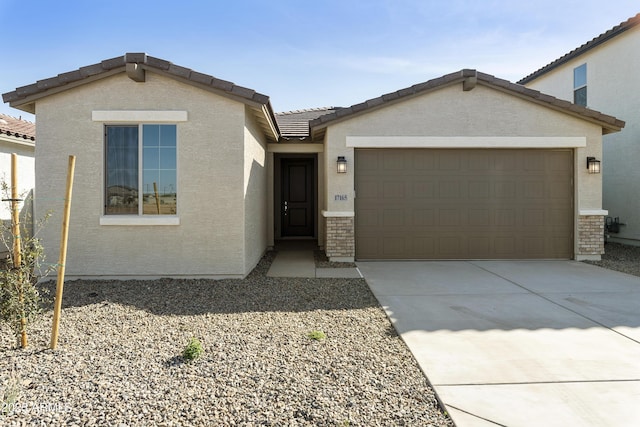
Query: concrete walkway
295	259
520	343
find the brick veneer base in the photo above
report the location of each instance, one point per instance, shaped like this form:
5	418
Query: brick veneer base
590	235
340	237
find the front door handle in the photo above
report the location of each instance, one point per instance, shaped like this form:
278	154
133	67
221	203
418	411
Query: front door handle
286	207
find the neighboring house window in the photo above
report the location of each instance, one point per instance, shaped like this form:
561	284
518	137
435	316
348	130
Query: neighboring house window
580	85
140	170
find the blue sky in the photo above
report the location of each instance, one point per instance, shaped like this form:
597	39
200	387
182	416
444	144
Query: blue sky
302	53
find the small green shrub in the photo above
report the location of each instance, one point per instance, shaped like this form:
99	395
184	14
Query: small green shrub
317	335
193	350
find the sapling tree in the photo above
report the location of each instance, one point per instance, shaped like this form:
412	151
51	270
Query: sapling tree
21	301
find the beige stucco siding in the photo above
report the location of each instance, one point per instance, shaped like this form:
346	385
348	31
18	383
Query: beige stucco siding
452	112
255	192
209	240
613	70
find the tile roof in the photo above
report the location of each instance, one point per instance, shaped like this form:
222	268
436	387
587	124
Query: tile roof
17	128
135	65
470	78
119	63
295	124
608	35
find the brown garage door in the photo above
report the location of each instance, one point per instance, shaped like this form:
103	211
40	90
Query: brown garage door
464	204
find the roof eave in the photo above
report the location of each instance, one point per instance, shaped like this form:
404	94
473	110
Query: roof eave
18	140
469	79
579	51
28	102
609	124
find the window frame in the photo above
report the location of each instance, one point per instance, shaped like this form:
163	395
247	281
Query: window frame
128	118
580	87
140	168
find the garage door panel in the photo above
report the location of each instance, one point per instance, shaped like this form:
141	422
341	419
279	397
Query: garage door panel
455	204
534	190
423	217
422	189
424	247
479	161
504	190
479	246
479	218
393	247
479	189
535	162
393	218
368	189
505	218
533	218
449	246
393	190
368	218
449	161
394	161
449	189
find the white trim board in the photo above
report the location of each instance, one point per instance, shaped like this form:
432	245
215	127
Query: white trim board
139	220
139	116
466	141
338	214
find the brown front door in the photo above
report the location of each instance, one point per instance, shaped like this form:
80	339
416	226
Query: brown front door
297	197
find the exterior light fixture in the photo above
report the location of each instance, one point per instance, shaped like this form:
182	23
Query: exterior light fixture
593	165
342	164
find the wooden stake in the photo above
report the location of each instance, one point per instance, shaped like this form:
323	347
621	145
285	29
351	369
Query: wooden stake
155	190
17	251
63	252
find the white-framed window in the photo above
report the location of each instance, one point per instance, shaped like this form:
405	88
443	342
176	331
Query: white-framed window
140	176
580	85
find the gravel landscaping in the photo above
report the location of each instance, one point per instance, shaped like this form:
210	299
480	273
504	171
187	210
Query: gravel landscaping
624	258
119	359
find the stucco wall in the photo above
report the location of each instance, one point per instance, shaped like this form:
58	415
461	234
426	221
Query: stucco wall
210	238
451	112
613	87
255	192
26	173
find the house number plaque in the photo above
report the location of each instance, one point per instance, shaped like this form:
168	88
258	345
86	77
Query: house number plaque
340	197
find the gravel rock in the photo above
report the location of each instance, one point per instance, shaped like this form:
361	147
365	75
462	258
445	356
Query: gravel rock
119	360
624	258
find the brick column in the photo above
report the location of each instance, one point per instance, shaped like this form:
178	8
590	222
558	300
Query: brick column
340	238
590	237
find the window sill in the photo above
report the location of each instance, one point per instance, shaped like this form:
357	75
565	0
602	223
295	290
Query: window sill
139	220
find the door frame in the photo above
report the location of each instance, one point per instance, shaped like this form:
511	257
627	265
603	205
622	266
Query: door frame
277	193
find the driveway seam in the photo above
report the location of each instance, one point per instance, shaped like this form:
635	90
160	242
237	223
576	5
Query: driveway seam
538	382
477	416
554	302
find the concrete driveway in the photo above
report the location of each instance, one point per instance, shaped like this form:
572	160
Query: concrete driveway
519	343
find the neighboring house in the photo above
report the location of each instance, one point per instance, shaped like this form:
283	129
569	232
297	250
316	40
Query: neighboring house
604	74
17	136
181	174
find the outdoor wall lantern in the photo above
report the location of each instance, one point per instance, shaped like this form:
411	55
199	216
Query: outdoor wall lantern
593	165
342	164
